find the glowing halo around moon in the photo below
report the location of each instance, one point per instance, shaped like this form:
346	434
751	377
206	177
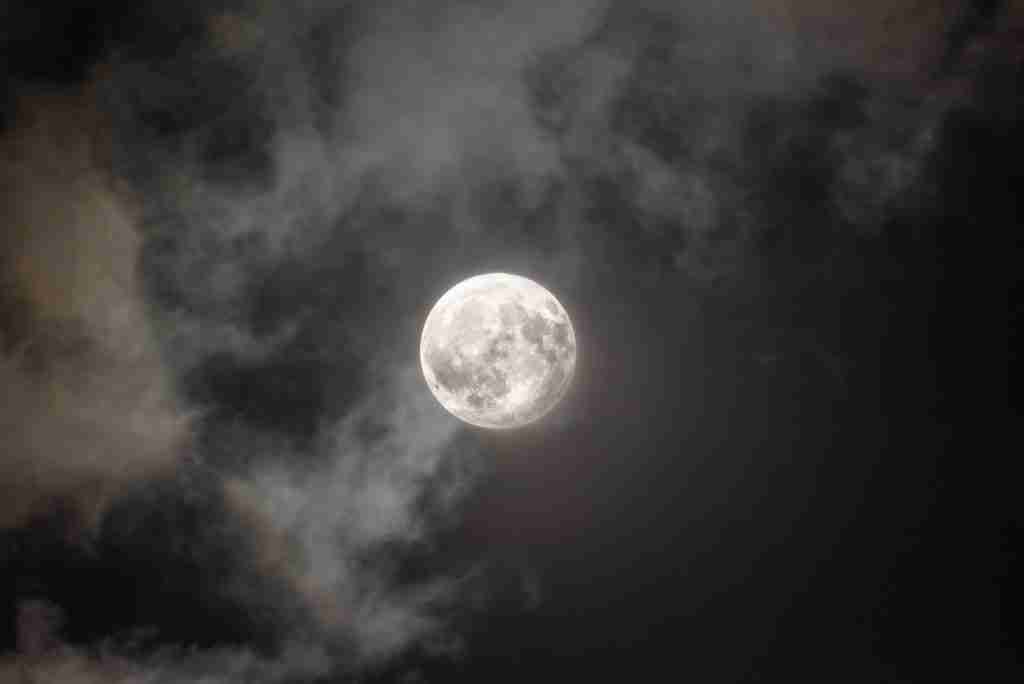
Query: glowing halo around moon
498	351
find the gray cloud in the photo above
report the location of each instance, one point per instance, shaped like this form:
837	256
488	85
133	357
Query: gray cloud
280	198
44	657
323	529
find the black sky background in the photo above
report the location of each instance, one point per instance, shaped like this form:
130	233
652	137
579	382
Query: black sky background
782	455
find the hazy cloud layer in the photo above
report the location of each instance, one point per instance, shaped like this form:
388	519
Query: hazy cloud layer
87	403
217	255
44	657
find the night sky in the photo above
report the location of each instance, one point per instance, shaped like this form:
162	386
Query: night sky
787	234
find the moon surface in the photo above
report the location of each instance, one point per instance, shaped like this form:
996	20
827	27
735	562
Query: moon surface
498	351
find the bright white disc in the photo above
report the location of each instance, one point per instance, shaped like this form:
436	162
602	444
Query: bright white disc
498	350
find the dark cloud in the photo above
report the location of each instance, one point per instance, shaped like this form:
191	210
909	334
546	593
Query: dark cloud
223	233
44	656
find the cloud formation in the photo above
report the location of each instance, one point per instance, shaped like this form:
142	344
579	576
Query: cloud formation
87	402
44	657
218	252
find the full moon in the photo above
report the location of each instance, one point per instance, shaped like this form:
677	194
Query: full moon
498	351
